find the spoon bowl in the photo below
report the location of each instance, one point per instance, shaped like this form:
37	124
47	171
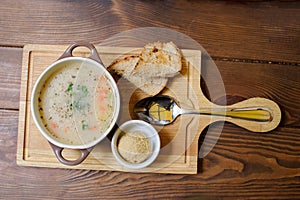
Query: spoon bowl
163	110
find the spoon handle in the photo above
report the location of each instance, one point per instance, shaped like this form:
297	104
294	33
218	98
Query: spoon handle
255	114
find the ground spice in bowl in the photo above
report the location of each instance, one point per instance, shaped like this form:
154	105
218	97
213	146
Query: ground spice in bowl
134	147
135	144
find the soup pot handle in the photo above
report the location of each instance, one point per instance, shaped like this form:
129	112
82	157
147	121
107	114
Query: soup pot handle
58	153
94	54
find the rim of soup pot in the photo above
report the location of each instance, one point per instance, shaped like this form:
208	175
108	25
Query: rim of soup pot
57	145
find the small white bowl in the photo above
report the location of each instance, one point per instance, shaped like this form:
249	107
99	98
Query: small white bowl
150	133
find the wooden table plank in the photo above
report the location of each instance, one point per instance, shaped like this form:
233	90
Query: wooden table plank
10	77
266	31
241	165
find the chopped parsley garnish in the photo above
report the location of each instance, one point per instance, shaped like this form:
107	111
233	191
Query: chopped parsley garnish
70	87
84	125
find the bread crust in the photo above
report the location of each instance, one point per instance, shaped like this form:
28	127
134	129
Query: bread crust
159	60
124	67
150	70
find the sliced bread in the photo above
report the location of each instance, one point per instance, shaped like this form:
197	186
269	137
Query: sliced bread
125	66
158	60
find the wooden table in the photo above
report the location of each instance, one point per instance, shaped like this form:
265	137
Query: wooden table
256	46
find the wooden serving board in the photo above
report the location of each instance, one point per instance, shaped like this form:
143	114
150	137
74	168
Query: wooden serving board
179	141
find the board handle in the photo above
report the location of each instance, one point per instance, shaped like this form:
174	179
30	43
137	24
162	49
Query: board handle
58	153
254	114
94	54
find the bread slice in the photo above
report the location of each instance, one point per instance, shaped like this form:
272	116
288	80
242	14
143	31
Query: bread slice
159	60
125	66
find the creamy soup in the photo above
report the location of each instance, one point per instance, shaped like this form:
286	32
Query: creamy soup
77	104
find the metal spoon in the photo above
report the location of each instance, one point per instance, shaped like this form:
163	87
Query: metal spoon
163	110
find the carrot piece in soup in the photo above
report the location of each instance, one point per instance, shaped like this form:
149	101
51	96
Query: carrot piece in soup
93	128
66	129
54	125
101	98
102	78
102	108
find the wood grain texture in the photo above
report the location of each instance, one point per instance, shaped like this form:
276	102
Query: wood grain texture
262	29
258	38
241	165
279	83
178	152
10	76
272	81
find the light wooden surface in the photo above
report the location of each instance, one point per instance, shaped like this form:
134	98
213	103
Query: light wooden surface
179	153
255	45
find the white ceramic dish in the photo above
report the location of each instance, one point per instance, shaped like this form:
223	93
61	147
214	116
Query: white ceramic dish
65	60
150	133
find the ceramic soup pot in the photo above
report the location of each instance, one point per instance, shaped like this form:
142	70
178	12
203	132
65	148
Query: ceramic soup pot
75	103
